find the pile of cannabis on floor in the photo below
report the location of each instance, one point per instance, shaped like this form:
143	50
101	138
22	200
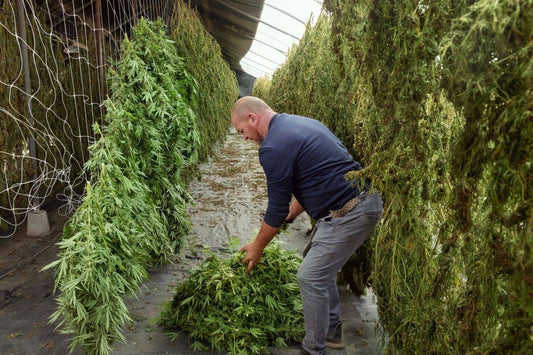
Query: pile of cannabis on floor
224	309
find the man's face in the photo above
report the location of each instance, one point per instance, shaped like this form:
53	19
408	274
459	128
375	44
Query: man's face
246	127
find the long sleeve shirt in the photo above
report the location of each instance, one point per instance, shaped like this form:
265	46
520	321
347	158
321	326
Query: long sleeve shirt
302	157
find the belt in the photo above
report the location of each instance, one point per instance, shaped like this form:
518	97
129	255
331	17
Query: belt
348	206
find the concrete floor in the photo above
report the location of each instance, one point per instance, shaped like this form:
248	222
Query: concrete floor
229	201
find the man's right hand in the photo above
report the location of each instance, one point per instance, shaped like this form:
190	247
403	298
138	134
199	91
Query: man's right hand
254	250
253	255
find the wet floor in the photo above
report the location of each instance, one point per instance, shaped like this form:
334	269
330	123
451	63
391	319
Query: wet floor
229	201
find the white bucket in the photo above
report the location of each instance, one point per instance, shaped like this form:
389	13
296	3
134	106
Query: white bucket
37	223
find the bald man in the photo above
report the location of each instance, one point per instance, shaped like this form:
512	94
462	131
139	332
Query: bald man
304	159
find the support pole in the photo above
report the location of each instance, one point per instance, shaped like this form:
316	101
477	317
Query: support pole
99	51
23	41
37	224
134	12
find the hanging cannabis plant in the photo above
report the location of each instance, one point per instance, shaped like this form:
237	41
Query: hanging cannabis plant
104	251
224	309
134	212
217	86
159	132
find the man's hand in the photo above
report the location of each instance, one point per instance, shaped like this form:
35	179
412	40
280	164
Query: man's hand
254	250
253	255
286	223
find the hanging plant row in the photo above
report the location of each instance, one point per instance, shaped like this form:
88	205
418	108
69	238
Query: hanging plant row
134	210
435	99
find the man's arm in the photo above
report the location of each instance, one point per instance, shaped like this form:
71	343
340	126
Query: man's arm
254	250
294	211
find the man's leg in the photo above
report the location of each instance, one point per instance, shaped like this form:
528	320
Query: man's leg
335	241
334	303
334	335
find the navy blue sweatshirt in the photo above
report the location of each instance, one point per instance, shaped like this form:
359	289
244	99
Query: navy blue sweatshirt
302	157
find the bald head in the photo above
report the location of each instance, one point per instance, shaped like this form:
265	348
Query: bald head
248	104
251	117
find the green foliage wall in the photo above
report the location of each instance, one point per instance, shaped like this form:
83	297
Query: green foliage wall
262	87
438	98
488	74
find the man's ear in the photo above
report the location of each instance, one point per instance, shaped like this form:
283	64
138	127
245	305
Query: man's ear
253	119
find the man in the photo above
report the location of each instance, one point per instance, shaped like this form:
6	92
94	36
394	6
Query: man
302	158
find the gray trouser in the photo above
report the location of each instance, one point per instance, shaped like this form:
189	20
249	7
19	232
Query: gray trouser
333	242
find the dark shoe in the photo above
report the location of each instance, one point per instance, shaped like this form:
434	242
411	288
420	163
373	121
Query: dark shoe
303	352
334	337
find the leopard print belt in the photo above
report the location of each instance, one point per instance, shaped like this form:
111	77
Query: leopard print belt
350	205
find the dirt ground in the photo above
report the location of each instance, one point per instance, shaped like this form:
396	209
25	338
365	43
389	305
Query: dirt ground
229	201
